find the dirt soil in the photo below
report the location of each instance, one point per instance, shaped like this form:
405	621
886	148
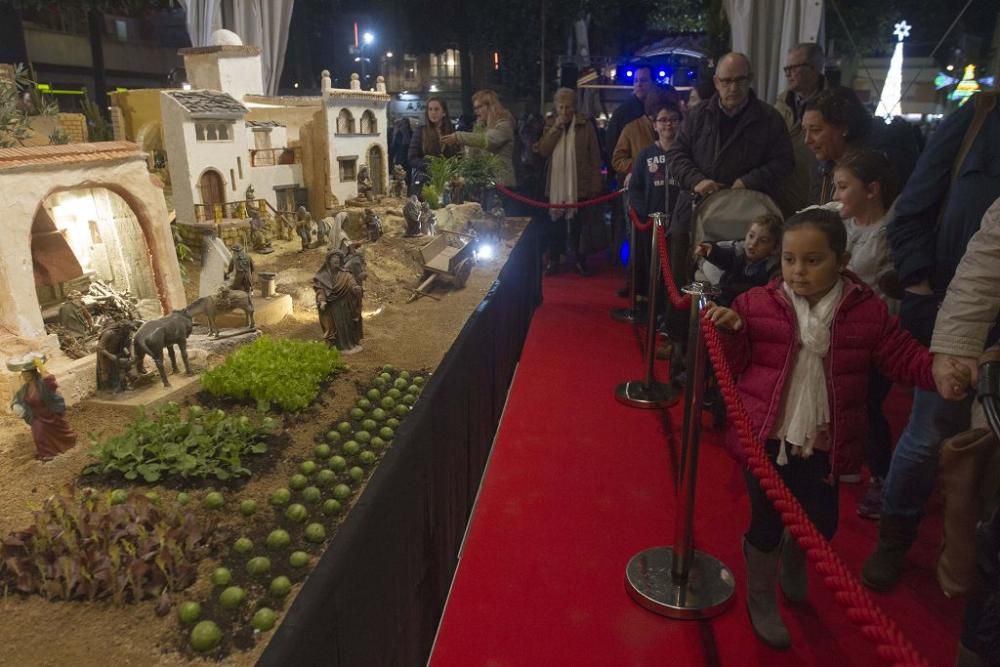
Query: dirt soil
412	336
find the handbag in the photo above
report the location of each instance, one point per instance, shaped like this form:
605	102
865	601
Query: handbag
970	482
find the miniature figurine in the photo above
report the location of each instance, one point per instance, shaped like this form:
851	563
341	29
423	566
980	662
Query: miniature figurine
242	269
411	214
373	225
337	238
428	222
74	316
166	332
398	181
260	235
223	301
303	227
324	227
456	189
339	295
114	355
40	405
364	183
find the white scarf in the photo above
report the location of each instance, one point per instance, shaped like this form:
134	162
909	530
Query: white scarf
562	174
806	411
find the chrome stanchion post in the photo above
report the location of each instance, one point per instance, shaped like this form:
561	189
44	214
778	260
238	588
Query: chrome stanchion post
648	393
678	581
632	314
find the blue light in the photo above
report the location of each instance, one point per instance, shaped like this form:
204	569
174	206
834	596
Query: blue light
662	73
623	253
628	74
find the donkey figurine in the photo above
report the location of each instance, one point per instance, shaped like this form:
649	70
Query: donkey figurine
223	301
165	332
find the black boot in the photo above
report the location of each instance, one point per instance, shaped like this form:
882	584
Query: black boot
896	534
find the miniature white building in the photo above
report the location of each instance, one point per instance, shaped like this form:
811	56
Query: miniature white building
223	136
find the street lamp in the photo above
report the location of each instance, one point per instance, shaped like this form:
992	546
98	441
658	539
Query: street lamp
367	39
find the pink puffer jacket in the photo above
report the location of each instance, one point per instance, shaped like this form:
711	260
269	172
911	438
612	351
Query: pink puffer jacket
863	334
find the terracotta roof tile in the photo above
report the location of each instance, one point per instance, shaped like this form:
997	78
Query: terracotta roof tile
105	151
208	103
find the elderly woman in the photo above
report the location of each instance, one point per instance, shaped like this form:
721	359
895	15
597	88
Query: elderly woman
573	173
426	140
494	133
835	123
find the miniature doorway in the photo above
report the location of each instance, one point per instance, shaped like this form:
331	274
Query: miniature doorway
86	234
213	188
376	170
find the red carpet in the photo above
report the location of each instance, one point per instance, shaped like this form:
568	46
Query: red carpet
577	484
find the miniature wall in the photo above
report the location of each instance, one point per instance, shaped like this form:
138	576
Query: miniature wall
235	70
27	187
140	109
293	118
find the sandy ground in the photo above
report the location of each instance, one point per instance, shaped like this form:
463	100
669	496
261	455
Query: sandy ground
411	336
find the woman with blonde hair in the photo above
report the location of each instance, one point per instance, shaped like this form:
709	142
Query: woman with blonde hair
494	133
573	174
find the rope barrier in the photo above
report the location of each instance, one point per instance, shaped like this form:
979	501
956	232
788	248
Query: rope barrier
680	301
639	224
544	204
890	644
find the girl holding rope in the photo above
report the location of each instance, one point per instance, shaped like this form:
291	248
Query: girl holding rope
802	348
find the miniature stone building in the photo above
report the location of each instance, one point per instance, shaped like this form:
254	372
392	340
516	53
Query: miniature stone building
73	213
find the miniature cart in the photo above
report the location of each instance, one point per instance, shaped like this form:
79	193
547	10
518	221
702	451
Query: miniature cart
448	258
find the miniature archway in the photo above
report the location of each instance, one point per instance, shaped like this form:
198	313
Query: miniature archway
377	169
87	234
212	187
369	124
345	122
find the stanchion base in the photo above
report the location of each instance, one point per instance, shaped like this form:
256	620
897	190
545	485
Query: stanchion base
639	395
705	593
629	315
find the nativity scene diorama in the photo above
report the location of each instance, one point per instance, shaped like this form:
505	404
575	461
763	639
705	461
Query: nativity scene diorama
108	260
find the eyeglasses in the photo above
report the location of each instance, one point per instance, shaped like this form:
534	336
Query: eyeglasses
735	81
788	69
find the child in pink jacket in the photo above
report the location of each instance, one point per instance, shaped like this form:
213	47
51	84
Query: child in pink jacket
801	349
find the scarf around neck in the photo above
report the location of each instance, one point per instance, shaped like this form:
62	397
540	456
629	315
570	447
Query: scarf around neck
562	174
806	412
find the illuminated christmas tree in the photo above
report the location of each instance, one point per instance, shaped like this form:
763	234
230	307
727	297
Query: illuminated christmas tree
892	91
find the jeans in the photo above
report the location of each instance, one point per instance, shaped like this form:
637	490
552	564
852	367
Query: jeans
810	482
914	463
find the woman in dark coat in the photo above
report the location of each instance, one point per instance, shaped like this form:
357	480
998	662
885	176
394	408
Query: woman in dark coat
426	139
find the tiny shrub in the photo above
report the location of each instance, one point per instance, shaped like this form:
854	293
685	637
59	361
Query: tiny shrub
281	371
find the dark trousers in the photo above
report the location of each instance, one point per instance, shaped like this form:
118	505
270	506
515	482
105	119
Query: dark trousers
878	441
558	233
810	482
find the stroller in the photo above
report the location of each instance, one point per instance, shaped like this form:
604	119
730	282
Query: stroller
723	217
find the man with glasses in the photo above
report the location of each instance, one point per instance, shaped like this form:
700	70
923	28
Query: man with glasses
804	74
733	140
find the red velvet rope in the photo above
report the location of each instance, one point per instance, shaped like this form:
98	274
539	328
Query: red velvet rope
680	301
639	224
544	204
890	644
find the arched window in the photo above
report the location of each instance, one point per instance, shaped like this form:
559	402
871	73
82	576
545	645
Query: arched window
369	125
345	122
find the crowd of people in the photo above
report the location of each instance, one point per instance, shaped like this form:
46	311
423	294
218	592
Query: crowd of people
831	297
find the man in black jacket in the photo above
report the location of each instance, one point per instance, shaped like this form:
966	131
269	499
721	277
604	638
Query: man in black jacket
733	140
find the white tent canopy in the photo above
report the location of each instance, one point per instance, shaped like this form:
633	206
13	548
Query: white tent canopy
260	23
765	30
